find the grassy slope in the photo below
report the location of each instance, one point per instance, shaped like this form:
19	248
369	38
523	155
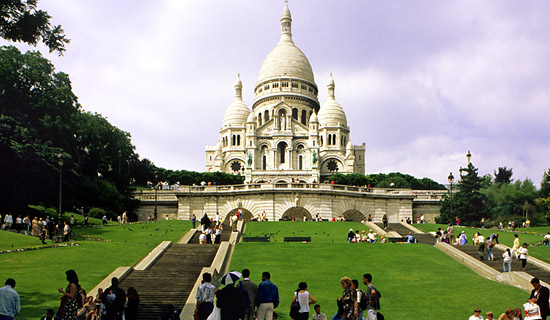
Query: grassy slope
417	281
39	273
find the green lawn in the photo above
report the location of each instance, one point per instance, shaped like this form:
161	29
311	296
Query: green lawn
416	281
39	273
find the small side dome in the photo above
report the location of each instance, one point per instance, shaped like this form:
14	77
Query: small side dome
237	113
313	118
250	118
331	113
349	146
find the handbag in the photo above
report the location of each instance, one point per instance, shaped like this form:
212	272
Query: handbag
294	309
215	315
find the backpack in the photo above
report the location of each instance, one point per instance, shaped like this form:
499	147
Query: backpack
364	302
245	299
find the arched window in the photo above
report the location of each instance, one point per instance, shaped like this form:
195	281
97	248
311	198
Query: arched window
238	139
304	115
300	165
234	140
295	114
264	162
321	141
282	150
266	116
260	119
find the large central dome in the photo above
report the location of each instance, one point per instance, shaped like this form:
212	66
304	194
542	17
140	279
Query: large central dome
286	60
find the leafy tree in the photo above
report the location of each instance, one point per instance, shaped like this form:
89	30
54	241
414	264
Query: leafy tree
508	201
503	175
22	21
544	195
382	180
468	203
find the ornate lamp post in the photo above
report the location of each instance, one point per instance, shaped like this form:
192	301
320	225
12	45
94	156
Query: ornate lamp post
156	187
60	161
451	180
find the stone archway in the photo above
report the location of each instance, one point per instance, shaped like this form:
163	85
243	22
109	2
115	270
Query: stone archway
354	215
245	215
297	213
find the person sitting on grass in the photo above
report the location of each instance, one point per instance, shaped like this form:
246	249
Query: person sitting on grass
477	315
489	315
49	315
318	315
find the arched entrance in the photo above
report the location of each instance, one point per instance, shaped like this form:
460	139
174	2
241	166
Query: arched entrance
354	215
297	213
245	215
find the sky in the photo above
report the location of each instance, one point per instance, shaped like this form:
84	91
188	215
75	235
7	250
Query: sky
421	82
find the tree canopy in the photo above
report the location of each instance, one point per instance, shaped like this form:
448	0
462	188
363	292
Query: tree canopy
22	21
390	180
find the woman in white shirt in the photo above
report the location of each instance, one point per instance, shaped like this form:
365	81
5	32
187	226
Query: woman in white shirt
506	260
304	299
523	253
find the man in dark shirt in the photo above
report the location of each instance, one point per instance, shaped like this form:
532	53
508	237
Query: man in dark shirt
267	298
541	293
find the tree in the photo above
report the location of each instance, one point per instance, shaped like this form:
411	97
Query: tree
508	201
544	195
21	21
468	203
503	176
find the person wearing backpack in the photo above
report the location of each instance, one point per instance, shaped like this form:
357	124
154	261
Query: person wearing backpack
374	297
251	289
361	303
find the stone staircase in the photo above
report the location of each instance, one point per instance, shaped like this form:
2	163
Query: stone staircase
404	231
496	264
170	280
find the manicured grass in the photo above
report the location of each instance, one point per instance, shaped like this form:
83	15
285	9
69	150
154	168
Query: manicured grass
12	240
416	281
39	273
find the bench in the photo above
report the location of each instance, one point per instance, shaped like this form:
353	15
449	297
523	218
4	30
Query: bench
397	239
297	239
256	239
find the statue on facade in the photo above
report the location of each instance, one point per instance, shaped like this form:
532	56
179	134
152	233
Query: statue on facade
314	158
249	161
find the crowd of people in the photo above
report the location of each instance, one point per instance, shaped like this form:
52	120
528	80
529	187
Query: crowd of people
370	237
44	229
112	304
535	308
248	301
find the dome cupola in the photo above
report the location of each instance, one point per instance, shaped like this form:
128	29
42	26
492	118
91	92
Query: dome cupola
237	113
331	113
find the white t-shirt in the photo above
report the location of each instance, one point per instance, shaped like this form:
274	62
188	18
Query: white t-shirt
475	318
523	252
506	257
303	300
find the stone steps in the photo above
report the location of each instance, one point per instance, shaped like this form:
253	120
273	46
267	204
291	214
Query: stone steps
170	280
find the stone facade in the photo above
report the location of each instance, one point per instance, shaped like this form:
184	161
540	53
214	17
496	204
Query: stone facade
287	136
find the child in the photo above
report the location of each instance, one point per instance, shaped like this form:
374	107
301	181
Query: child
48	316
489	315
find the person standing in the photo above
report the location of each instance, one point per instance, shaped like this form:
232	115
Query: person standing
66	232
70	296
451	233
304	299
523	253
546	239
194	220
506	260
481	245
359	293
205	297
114	299
10	304
348	299
131	308
515	247
267	298
385	221
230	303
542	295
251	289
374	297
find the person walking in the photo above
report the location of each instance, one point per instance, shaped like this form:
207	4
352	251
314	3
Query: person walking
304	298
348	299
267	298
506	260
246	285
10	304
542	294
374	297
523	253
515	247
205	297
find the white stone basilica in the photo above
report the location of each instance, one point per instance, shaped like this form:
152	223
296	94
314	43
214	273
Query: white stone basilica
287	136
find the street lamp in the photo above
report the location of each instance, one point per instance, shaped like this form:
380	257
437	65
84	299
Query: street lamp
451	180
156	187
469	156
60	161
